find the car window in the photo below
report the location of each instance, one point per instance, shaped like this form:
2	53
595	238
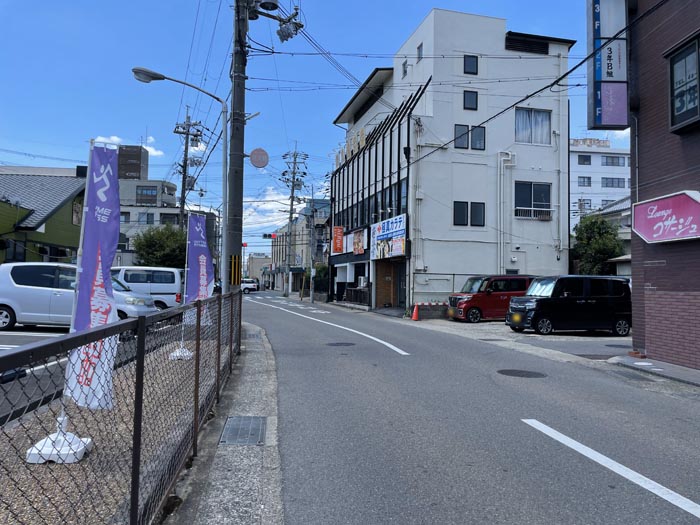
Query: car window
31	275
115	273
499	285
472	285
542	287
568	287
119	286
619	288
161	277
517	285
66	278
136	276
599	288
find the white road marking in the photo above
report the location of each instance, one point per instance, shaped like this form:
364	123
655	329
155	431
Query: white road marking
8	347
388	345
672	497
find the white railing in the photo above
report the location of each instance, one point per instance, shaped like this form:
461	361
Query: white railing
539	214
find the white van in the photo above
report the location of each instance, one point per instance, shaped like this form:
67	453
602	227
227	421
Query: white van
165	285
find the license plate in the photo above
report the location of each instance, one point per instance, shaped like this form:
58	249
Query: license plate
451	311
516	318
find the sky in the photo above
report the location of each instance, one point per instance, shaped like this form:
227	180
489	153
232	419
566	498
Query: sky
67	79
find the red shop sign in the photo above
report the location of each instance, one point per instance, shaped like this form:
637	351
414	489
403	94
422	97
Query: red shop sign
670	218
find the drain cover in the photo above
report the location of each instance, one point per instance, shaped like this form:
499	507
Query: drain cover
244	430
521	373
340	344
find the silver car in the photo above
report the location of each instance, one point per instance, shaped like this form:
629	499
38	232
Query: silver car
43	293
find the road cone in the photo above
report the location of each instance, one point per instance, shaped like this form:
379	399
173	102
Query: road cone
414	317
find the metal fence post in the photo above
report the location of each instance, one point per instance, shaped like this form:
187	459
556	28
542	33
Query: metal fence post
196	378
230	336
218	350
138	420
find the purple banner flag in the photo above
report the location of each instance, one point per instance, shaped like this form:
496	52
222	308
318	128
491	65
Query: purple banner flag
200	270
89	371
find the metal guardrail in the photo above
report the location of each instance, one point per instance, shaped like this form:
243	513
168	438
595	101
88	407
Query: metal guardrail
142	442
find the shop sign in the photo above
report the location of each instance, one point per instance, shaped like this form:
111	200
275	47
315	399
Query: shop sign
337	239
388	238
358	242
673	217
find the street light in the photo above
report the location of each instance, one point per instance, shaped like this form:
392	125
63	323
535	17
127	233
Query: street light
146	75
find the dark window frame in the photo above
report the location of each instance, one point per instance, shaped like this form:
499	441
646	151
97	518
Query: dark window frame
469	61
586	180
461	139
469	106
691	117
419	52
460	213
474	138
584	160
477	214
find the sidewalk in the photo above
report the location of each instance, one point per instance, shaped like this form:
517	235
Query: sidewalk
232	483
683	374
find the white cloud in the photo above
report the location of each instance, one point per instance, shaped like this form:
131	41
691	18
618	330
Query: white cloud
153	152
112	139
201	147
620	135
267	213
150	140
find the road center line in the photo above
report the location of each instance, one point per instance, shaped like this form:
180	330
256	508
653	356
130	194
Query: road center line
644	482
388	345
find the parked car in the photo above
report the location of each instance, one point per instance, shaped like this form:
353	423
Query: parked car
486	296
164	285
249	285
573	302
43	293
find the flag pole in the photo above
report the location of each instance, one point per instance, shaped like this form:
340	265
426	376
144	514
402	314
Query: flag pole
63	446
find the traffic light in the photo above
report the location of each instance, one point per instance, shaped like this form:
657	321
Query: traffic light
269	235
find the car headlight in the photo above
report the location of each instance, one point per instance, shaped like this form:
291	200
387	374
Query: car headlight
135	300
466	298
530	305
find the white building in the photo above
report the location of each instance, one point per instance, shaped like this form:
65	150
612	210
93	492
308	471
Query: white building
468	187
600	175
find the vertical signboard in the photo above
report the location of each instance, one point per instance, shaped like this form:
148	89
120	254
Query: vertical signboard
337	239
607	72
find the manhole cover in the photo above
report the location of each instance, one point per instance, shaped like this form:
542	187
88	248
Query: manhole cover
626	347
244	430
521	373
340	344
597	357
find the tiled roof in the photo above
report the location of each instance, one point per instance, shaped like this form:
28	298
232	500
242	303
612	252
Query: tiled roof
615	207
43	194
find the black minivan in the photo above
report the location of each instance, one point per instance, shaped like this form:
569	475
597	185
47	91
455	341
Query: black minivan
573	302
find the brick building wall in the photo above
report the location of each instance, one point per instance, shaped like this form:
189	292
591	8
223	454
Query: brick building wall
665	279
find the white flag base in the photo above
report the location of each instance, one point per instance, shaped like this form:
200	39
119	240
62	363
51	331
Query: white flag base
60	447
181	353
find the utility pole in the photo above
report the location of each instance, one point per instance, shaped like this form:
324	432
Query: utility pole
184	129
312	236
292	179
245	10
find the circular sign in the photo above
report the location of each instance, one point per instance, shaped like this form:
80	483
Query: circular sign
259	158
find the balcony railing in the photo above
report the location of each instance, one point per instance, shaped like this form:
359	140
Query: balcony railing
538	214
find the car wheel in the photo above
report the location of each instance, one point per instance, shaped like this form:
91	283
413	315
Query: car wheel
543	326
621	327
7	318
474	315
246	290
161	306
517	329
121	315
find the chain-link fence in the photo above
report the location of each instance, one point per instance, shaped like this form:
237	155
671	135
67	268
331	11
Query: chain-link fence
131	397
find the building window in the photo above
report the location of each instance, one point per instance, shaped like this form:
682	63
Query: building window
533	126
146	195
629	183
145	218
684	85
471	100
606	202
169	218
124	217
477	216
533	200
461	213
471	65
612	160
461	136
584	160
478	136
584	182
419	52
404	68
612	182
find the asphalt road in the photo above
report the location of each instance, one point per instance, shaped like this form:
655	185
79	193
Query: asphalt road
383	420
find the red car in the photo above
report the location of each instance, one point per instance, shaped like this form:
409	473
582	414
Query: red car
486	297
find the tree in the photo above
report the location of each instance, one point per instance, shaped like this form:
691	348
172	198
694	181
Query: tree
163	246
596	242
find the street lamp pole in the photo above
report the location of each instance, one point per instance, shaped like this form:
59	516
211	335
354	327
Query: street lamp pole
146	75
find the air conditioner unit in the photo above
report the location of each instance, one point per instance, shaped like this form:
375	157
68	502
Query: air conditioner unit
362	281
